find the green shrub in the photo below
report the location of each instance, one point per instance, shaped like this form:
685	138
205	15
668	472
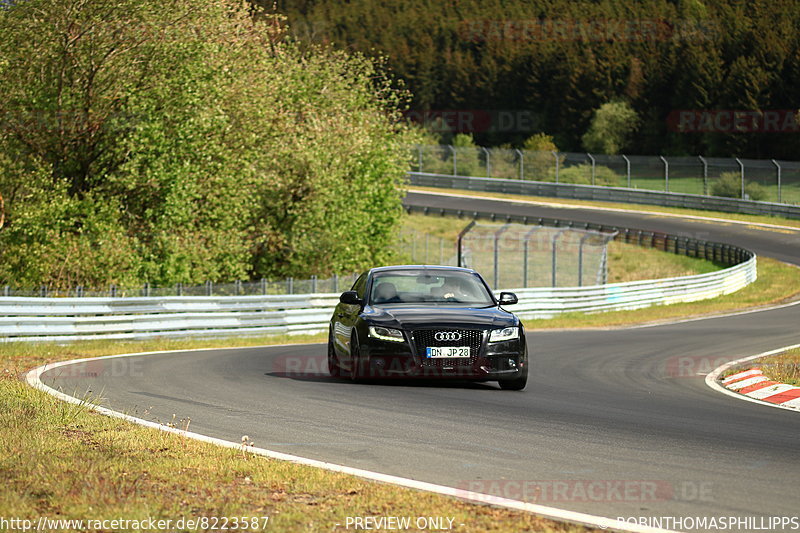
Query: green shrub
729	185
582	174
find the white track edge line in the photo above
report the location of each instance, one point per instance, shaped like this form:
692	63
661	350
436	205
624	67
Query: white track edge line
711	377
611	209
33	378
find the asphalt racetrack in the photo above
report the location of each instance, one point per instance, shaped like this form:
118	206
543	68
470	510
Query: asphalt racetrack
617	423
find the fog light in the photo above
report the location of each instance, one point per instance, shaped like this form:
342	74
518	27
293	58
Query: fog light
512	364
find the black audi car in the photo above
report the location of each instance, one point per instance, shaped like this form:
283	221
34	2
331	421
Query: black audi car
427	321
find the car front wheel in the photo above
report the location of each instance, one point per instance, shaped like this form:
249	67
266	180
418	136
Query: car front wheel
516	383
356	370
333	364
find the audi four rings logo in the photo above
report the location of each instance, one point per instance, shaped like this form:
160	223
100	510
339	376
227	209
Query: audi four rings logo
447	336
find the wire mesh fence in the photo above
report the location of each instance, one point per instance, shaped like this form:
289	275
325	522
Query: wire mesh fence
509	255
751	179
262	287
518	255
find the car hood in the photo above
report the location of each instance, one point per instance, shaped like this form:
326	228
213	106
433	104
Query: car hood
447	317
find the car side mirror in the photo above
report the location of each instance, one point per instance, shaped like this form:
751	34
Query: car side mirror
508	298
350	298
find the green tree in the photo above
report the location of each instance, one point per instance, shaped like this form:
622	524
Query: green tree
188	141
611	128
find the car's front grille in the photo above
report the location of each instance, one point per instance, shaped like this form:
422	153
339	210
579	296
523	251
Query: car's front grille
424	338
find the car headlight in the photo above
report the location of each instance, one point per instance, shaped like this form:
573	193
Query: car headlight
505	334
386	334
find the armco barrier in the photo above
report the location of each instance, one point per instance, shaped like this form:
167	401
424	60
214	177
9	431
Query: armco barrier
549	302
72	319
606	194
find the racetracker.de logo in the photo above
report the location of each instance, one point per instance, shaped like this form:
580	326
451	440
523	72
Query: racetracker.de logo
733	121
475	120
571	490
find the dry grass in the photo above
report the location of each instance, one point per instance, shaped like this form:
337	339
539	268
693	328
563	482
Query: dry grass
629	262
783	368
62	461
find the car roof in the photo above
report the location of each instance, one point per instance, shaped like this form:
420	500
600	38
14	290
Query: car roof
443	268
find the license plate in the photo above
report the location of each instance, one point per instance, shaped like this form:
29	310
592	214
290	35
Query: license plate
447	352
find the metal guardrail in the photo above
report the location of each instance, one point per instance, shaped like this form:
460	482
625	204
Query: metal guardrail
72	319
606	194
548	302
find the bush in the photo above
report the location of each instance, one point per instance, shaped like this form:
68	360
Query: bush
729	185
582	174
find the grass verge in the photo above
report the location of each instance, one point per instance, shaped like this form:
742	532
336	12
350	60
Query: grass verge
757	219
62	461
783	368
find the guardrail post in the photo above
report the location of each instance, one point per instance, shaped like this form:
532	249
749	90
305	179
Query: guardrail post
580	259
313	284
594	171
554	260
741	171
455	159
705	174
555	154
113	291
179	289
604	266
521	163
778	167
525	255
460	239
238	287
6	290
145	289
209	288
627	169
335	283
488	163
497	235
666	173
290	285
43	291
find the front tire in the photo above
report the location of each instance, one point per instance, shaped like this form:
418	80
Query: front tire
333	364
514	384
356	370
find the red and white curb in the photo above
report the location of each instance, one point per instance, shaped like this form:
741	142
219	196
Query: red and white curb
753	386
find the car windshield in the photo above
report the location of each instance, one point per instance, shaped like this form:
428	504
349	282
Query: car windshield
429	287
